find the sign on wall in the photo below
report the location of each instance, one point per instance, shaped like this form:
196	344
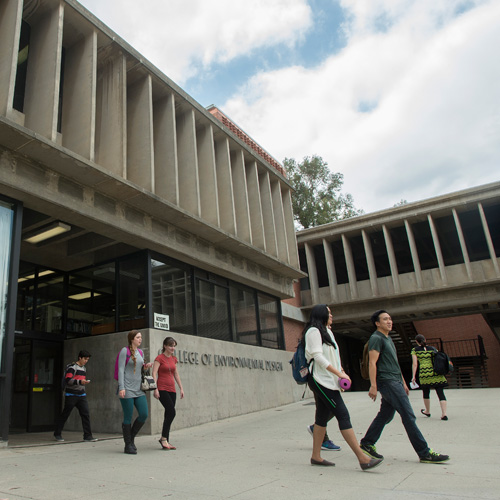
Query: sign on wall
162	321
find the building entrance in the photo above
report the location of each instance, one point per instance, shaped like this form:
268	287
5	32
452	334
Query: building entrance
36	385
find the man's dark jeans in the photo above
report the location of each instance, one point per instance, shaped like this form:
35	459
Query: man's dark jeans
83	407
395	399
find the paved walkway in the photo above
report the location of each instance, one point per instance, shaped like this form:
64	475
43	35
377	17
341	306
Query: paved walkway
266	455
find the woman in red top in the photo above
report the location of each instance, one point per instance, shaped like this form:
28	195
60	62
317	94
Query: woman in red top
165	373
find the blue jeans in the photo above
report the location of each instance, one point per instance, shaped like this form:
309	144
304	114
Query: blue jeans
395	399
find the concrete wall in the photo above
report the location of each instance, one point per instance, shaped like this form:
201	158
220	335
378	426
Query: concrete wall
216	386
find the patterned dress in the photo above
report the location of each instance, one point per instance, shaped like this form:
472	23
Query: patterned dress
427	377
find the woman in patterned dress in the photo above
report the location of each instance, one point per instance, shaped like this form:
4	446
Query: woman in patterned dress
422	359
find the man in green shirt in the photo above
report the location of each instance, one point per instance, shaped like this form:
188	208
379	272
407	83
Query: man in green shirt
386	378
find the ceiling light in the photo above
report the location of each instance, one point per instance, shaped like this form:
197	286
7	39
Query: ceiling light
83	295
46	232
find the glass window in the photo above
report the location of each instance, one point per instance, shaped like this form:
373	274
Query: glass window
270	324
244	315
25	297
171	287
132	291
212	310
49	301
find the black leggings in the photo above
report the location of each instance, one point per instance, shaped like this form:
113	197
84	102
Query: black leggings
439	391
167	399
329	404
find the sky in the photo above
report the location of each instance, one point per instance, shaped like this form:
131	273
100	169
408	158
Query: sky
400	96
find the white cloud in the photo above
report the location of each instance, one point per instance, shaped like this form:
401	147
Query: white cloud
429	80
183	37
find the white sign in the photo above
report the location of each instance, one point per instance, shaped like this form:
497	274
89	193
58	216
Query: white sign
162	321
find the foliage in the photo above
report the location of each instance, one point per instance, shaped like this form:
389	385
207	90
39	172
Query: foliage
317	198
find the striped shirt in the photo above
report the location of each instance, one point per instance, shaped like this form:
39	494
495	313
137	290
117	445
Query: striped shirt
75	374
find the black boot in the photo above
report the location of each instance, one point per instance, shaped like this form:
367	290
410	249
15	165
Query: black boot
136	427
127	437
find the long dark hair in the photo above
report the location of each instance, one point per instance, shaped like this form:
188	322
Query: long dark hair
319	319
421	340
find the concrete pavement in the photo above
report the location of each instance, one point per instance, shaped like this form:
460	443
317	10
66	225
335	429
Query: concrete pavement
266	455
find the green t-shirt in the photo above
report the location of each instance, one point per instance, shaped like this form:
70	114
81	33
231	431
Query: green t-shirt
387	363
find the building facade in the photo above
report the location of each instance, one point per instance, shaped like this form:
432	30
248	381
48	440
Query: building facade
125	204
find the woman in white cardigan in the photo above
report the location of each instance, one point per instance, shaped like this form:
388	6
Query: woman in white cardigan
325	371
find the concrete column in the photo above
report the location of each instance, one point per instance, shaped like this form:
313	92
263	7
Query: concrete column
279	221
140	148
189	186
414	255
209	197
256	217
437	247
392	259
225	186
267	210
111	120
165	149
41	103
313	273
240	190
372	271
79	91
351	270
11	12
293	254
330	269
463	245
489	241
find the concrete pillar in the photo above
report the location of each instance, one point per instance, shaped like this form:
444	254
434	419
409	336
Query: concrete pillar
41	103
370	260
489	241
330	269
10	28
267	210
351	270
111	121
392	259
189	186
437	247
293	254
463	245
254	203
414	255
313	273
79	102
165	149
279	221
209	197
240	190
225	186
140	149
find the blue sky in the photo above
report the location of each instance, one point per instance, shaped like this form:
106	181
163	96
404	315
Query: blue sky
401	96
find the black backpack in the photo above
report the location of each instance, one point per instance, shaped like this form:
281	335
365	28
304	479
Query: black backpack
300	366
441	363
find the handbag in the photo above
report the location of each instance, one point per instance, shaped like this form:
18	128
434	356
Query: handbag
147	381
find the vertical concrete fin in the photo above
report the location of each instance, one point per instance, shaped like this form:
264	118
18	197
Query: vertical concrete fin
165	149
489	241
279	221
437	247
370	260
313	273
293	253
240	190
225	186
414	254
267	210
351	270
392	259
254	197
140	149
330	269
463	245
209	198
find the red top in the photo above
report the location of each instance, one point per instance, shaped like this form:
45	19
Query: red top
166	370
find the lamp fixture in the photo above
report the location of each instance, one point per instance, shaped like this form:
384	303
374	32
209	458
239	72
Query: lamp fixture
46	232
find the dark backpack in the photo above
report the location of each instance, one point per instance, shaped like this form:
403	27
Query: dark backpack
441	363
300	366
365	363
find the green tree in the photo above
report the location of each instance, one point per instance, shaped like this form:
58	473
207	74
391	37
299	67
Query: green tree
317	198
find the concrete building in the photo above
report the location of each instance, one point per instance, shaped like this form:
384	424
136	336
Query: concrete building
433	264
125	204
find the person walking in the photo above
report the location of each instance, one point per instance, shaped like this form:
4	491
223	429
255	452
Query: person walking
75	395
422	356
130	363
166	375
386	378
323	380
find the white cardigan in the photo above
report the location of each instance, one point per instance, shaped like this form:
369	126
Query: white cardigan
323	355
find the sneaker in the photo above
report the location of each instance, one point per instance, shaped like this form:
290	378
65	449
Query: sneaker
59	438
90	439
371	451
310	428
434	458
330	445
